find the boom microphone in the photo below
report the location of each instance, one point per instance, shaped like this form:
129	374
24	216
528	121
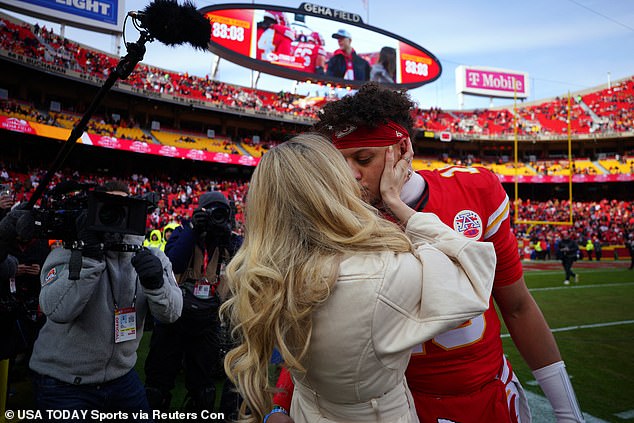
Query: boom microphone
172	24
67	186
162	20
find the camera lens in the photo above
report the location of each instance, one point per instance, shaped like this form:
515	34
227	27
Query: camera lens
112	215
219	215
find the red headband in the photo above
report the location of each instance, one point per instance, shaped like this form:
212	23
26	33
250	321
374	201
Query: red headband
381	136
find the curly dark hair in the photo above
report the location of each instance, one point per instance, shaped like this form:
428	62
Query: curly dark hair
372	105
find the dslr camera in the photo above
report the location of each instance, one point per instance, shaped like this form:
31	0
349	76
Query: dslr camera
219	214
215	223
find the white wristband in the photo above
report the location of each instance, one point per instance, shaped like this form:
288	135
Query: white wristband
555	383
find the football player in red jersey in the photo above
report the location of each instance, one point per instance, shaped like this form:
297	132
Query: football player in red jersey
265	34
274	36
462	375
284	35
312	53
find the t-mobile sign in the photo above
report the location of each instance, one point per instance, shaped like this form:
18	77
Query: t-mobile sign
491	82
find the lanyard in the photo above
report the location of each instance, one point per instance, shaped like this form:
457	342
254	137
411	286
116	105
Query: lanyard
219	263
114	299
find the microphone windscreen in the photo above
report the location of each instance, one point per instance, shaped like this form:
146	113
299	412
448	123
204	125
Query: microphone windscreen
173	24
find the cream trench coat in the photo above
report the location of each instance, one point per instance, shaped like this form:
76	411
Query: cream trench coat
381	306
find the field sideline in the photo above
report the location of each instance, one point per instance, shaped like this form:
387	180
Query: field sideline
593	322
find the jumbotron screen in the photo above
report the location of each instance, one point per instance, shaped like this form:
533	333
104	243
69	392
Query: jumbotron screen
300	43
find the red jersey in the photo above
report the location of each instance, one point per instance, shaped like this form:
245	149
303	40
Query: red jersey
275	39
308	52
261	44
283	38
463	360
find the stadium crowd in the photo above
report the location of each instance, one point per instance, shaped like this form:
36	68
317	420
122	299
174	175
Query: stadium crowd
602	223
109	126
43	44
176	198
608	110
608	220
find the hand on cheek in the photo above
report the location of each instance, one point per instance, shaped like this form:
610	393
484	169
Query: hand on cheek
395	174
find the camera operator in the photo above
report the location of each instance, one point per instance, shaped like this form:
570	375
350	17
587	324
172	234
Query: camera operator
199	251
85	354
31	255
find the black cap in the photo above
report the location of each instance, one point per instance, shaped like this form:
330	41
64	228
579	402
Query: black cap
208	198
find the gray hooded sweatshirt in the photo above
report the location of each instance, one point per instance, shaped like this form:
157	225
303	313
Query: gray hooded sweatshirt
77	343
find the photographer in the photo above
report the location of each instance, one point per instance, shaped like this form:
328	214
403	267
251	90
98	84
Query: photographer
199	251
25	290
85	354
8	307
22	293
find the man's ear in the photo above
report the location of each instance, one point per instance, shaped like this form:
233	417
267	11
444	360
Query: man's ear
404	145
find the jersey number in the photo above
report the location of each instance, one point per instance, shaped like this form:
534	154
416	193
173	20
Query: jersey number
448	173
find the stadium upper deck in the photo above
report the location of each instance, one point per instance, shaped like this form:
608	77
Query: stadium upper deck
604	112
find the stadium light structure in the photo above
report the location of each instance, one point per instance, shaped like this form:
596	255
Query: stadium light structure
532	223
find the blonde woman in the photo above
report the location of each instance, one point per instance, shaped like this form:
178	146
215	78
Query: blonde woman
341	292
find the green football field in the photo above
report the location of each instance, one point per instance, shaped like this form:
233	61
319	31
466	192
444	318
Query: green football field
593	322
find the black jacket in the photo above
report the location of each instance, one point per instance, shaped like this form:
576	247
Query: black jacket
180	247
337	66
568	249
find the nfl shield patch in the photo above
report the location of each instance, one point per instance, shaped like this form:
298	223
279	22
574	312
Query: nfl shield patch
468	223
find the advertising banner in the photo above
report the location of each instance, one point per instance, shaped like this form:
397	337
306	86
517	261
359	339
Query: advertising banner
561	179
99	15
26	127
32	128
492	82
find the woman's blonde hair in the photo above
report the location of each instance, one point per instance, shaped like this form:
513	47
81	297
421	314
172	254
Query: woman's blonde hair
304	213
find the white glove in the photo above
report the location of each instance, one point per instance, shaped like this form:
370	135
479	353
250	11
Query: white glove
555	383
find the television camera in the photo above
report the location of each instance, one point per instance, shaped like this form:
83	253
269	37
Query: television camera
71	205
